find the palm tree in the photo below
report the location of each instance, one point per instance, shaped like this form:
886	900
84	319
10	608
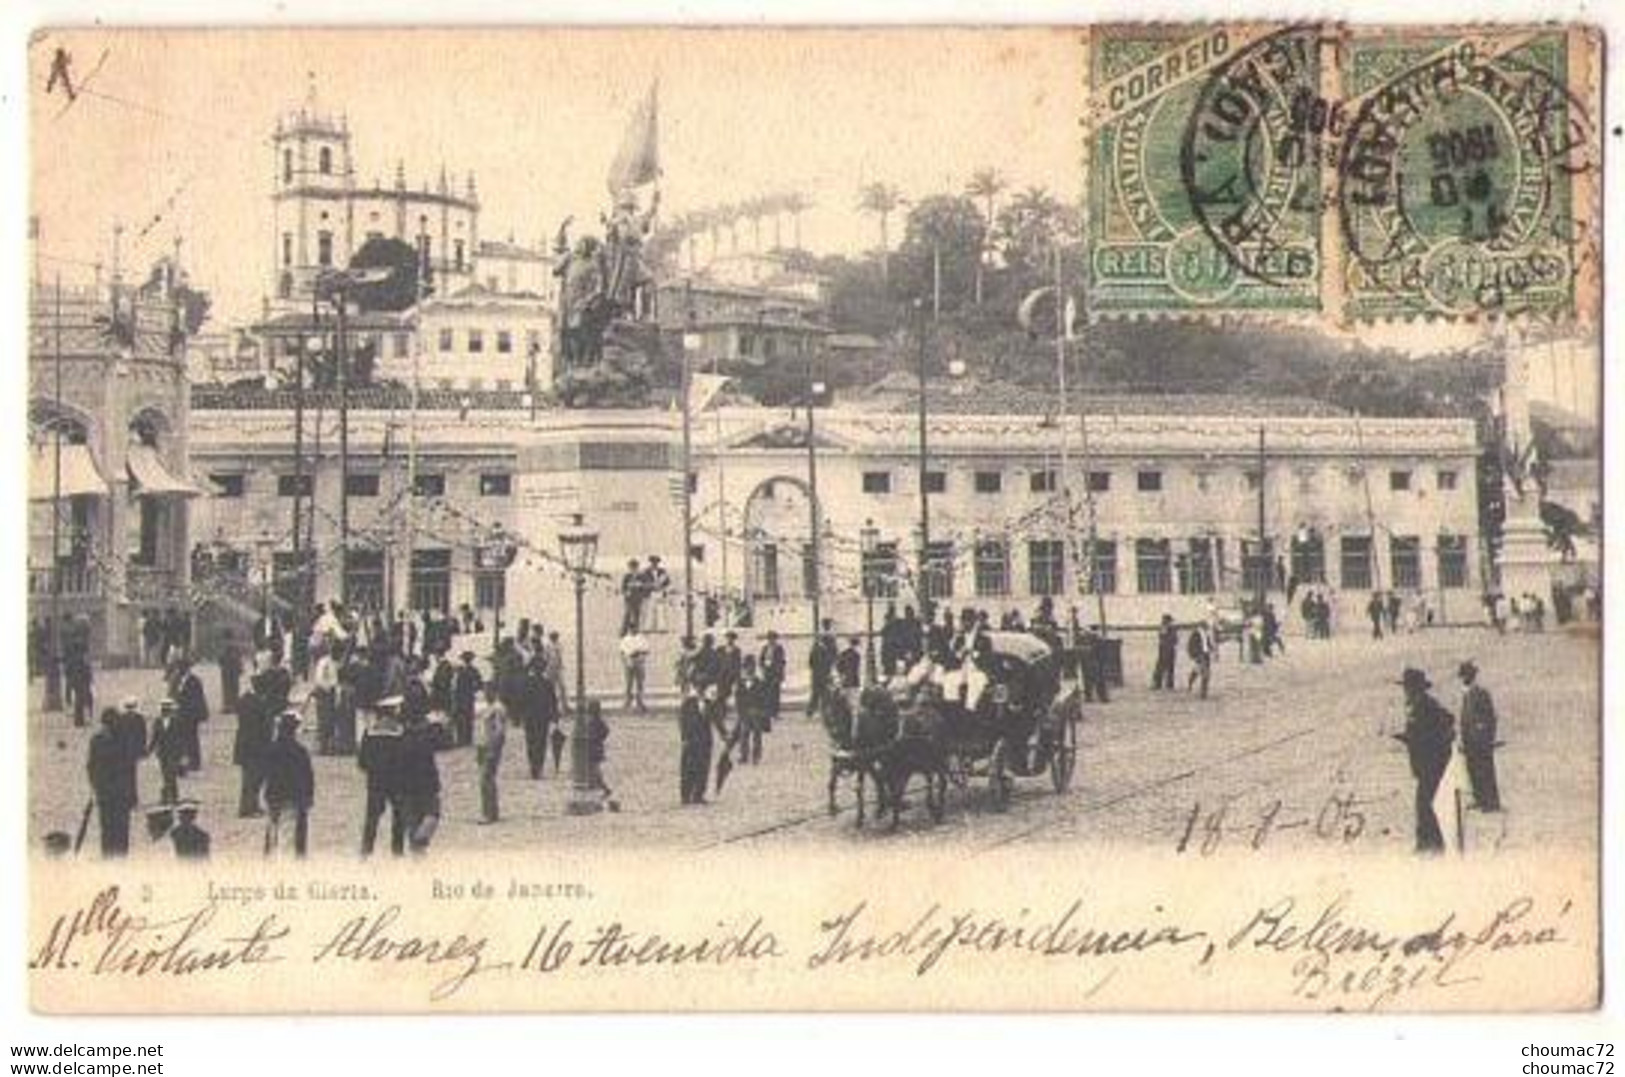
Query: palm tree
985	184
882	200
795	204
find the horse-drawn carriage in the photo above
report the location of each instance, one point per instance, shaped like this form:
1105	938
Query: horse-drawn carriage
1007	715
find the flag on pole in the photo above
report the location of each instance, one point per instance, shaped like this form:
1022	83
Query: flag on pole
703	390
638	160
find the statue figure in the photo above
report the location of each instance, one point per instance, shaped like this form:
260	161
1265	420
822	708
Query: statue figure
585	310
628	280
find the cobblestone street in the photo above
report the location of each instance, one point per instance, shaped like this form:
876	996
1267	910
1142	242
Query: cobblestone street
1289	755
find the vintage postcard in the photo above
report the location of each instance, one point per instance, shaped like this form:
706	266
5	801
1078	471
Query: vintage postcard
1101	517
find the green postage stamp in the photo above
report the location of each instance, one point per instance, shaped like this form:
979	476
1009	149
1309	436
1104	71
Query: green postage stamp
1327	171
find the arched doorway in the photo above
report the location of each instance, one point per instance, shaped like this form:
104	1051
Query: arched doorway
779	562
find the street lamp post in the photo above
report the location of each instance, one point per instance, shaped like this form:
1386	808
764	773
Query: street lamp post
578	546
500	552
265	545
869	542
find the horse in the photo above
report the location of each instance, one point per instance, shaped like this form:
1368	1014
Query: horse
860	732
921	748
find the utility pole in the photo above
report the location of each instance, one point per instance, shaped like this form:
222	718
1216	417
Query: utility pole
340	350
924	587
412	432
690	341
814	514
299	456
53	669
1265	562
1060	385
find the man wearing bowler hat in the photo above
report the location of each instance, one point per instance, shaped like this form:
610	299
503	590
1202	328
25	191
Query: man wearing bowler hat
1478	743
1428	735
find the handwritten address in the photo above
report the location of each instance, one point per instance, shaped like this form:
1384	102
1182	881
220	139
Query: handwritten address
1322	953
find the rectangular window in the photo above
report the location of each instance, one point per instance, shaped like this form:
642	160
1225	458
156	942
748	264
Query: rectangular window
431	580
361	485
490	588
496	484
504	342
939	570
1200	567
403	345
1252	480
1153	566
430	485
764	571
1354	563
294	485
364	579
1453	561
476	341
989	482
936	482
287	166
1041	482
1399	480
446	341
1103	574
324	248
1405	554
287	248
879	571
1447	480
229	484
877	482
1100	482
1309	558
1046	566
457	254
747	344
1258	569
992	569
1149	482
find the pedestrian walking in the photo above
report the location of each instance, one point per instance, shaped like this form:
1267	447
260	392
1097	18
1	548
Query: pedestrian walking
230	659
1478	739
490	733
1092	663
849	665
820	664
1162	676
771	664
166	744
1374	610
420	780
750	705
465	694
255	726
380	757
191	710
694	762
290	789
1199	648
111	773
1428	734
597	754
324	691
634	649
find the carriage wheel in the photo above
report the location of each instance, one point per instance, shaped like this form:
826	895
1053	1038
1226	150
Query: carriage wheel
1065	759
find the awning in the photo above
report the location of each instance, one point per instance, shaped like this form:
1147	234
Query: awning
152	478
79	475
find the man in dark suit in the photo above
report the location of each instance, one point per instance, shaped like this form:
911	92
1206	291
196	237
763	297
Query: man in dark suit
729	663
290	786
771	661
1429	732
253	739
820	661
132	732
167	745
231	672
108	765
190	840
1478	743
381	757
849	665
1162	677
465	695
191	710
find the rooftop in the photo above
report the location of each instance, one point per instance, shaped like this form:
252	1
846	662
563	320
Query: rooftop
899	392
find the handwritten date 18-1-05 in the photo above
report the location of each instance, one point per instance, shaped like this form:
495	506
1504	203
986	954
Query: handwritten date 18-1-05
1207	827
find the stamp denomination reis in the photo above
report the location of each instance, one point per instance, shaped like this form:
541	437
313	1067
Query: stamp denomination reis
1462	175
1314	171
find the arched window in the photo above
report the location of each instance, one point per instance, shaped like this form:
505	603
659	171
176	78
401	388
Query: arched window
287	166
324	160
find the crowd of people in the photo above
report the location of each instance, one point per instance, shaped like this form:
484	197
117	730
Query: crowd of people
395	693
